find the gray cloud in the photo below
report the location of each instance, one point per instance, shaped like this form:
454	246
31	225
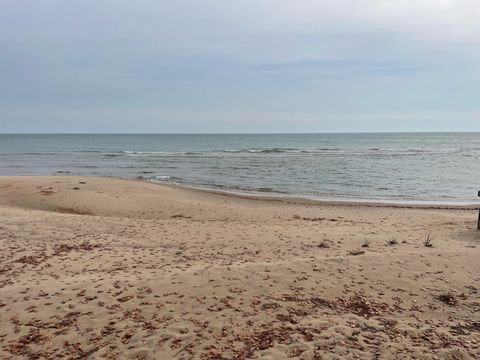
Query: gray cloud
260	59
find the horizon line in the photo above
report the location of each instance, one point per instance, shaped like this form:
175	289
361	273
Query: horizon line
240	133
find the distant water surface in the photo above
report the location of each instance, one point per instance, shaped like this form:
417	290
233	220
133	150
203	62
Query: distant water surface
432	167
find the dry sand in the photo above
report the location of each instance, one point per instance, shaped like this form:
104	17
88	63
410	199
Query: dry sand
115	269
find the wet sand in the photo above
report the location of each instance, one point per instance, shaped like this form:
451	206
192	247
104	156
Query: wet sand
116	269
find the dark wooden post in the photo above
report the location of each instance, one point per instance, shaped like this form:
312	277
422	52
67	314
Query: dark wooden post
478	223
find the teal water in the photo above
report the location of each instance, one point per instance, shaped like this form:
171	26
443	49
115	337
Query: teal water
433	167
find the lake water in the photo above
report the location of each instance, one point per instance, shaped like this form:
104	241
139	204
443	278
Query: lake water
433	167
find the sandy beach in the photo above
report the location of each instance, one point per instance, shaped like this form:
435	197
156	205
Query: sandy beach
101	268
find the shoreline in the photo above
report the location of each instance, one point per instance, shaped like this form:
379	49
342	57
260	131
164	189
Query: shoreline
286	198
307	200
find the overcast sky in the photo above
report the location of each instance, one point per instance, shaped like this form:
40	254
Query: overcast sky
239	66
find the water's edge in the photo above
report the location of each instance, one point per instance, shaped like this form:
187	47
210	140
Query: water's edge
311	200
